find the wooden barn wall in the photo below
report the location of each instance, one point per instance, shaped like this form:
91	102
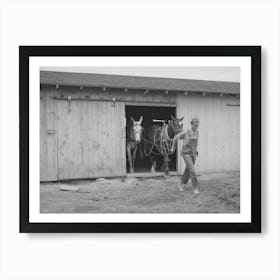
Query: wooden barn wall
67	149
91	139
78	138
48	134
132	95
219	131
73	138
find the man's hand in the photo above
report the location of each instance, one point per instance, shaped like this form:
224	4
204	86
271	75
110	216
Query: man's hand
172	150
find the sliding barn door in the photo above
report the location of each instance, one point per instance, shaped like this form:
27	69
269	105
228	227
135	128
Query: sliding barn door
91	139
219	131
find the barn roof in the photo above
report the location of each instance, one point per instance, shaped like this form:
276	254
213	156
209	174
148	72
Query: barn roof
135	82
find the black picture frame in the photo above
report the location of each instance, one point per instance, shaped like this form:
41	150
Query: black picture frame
25	52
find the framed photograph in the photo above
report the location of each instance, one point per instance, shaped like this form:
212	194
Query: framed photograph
144	139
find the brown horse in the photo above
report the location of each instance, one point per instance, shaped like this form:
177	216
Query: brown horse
158	141
133	140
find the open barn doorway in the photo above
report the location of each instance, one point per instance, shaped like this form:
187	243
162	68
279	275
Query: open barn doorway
151	115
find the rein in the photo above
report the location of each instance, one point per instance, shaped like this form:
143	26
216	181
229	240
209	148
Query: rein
165	142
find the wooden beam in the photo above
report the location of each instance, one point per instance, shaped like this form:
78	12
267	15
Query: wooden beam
234	105
147	103
148	174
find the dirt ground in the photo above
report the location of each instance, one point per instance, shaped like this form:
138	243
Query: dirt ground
219	193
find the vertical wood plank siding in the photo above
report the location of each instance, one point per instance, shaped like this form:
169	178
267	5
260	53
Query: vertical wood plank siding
91	139
48	136
219	131
86	139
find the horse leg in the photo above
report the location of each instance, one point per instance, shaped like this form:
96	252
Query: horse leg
166	165
128	150
153	163
141	151
153	169
134	157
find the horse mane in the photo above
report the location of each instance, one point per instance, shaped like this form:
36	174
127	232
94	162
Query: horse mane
170	131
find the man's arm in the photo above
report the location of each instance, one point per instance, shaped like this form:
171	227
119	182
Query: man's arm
178	136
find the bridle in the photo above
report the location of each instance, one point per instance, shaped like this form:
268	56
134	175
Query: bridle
137	129
174	128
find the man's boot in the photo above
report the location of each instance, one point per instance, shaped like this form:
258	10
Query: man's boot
181	186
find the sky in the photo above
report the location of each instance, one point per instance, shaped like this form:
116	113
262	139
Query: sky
229	74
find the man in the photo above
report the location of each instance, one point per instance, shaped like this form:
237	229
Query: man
189	154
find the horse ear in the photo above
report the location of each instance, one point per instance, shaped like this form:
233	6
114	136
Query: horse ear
181	119
141	119
172	117
132	119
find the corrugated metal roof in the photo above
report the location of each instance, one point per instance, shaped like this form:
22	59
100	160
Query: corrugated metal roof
133	82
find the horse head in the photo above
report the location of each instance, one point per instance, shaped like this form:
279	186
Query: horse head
137	129
176	124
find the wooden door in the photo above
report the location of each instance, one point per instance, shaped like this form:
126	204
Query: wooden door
219	131
91	139
48	136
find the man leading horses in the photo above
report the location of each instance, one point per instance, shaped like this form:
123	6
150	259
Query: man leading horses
189	154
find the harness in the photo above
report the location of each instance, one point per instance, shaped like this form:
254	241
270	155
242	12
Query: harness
165	142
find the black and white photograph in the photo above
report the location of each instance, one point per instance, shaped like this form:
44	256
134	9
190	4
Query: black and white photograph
140	139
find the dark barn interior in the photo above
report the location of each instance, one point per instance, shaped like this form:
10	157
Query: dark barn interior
151	115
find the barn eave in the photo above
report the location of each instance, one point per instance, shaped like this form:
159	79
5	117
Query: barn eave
145	84
103	89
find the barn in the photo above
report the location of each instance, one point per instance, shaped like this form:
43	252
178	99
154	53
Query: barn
83	122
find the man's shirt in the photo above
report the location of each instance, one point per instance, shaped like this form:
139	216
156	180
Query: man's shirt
190	138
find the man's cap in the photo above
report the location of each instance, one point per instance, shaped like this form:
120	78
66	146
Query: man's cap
194	120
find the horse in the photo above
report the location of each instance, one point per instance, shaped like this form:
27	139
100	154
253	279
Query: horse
133	140
158	141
